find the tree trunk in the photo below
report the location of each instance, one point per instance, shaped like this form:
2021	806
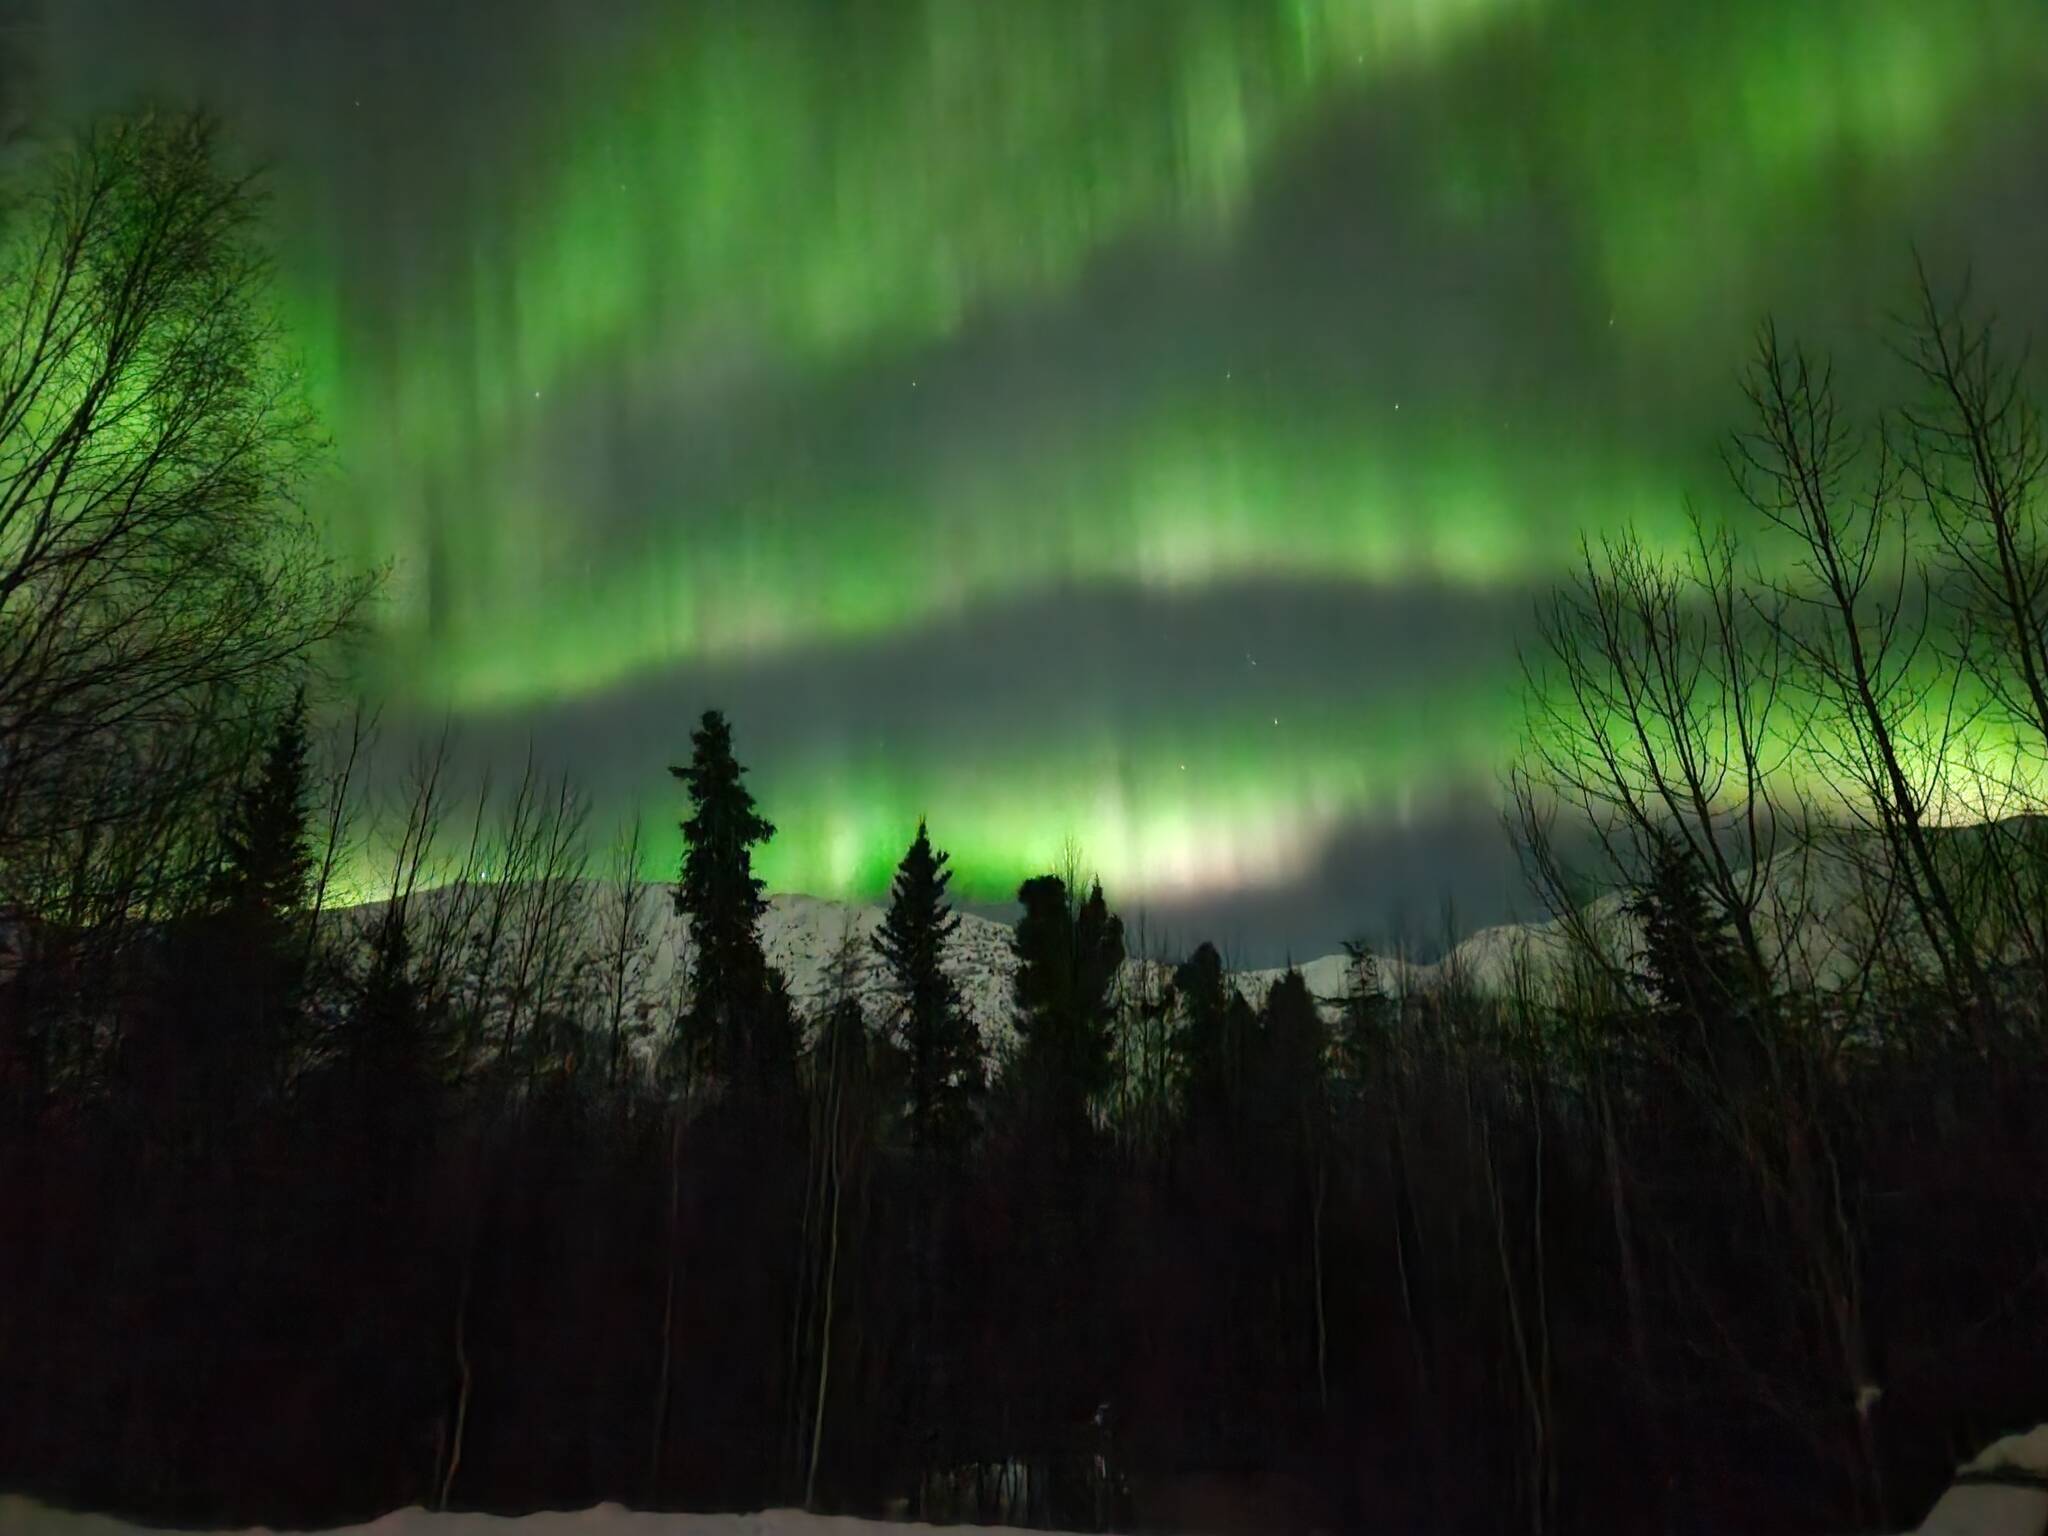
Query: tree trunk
1517	1335
1632	1292
1547	1417
668	1314
1322	1321
825	1339
462	1393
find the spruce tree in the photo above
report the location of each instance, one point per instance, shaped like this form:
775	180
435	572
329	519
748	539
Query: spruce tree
1212	1042
267	872
388	1044
385	1078
1363	1042
1690	962
739	1025
941	1047
1691	967
1068	958
1099	944
1286	1168
1294	1056
940	1052
238	968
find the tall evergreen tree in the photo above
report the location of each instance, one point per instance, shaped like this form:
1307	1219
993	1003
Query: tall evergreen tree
1362	1043
941	1056
739	1024
1691	965
941	1047
1068	956
388	1042
1288	1165
267	872
1293	1066
230	1002
387	1079
1213	1041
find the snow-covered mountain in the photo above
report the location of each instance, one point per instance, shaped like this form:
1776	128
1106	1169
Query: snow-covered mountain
805	936
1826	912
1817	917
822	948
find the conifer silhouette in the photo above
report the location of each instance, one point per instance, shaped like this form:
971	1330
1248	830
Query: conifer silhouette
941	1047
738	1023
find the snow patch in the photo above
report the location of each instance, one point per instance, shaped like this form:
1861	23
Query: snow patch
30	1519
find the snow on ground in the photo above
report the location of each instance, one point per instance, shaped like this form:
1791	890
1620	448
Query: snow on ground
1965	1511
20	1517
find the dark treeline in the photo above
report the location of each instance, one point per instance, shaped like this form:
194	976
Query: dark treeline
1718	1208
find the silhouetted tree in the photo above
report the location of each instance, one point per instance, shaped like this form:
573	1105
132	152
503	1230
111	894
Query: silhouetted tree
1293	1114
1705	1024
1068	956
252	951
205	1048
738	1025
1690	964
268	866
625	961
1069	953
157	575
1846	507
943	1064
1363	1027
387	1043
941	1046
1293	1066
843	1109
1213	1044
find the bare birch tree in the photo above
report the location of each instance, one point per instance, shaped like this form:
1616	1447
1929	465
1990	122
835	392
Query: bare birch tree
626	929
1856	615
156	576
1657	708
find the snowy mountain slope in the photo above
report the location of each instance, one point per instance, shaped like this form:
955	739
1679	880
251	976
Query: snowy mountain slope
820	946
823	946
1822	914
1818	914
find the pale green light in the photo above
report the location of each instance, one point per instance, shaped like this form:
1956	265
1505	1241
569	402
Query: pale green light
1692	142
1159	808
1209	494
785	183
755	206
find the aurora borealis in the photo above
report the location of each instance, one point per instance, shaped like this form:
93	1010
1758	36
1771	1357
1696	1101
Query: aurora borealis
1144	423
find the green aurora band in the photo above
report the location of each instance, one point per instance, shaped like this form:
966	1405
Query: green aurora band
757	227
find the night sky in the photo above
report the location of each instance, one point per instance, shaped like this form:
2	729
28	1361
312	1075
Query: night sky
1144	422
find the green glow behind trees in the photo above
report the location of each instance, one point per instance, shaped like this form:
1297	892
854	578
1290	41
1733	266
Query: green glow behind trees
839	286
